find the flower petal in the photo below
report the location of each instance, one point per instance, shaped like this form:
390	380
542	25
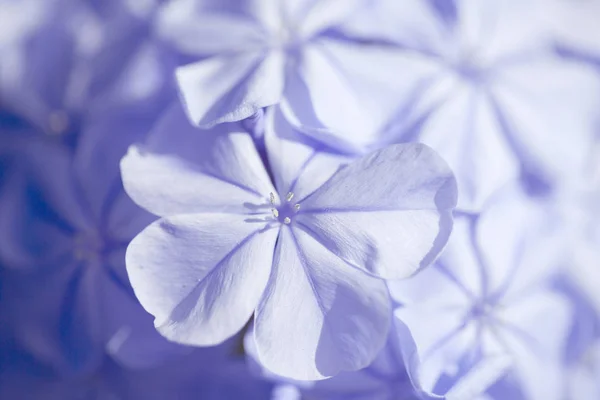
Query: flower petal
207	32
539	330
298	165
201	275
531	97
230	87
318	316
389	213
335	79
465	132
183	170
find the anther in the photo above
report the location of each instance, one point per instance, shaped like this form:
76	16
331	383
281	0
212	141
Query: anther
287	220
289	196
272	198
275	212
297	207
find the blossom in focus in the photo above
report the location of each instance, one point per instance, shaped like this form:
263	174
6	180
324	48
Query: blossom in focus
304	253
487	308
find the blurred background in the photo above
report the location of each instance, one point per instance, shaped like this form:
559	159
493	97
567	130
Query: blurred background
81	80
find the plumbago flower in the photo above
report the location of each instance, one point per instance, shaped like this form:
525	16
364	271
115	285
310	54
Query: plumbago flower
489	91
259	53
487	308
303	252
65	222
78	60
384	379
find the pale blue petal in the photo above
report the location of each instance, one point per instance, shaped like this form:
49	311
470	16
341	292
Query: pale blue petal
318	316
181	169
388	213
298	165
228	88
201	275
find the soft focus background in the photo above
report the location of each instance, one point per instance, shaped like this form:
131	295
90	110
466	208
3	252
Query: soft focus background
81	80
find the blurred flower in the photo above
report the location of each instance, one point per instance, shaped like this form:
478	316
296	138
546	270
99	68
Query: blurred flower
489	92
300	253
75	63
259	53
209	374
65	222
487	307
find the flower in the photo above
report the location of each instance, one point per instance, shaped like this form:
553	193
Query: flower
489	92
385	378
259	53
76	63
488	308
304	253
65	223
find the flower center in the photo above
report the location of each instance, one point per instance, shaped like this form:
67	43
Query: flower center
87	247
58	122
482	311
286	212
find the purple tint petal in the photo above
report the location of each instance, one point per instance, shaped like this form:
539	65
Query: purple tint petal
298	165
214	279
352	213
336	316
230	87
181	169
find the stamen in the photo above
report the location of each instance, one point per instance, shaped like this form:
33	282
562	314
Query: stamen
297	207
272	198
287	220
289	196
275	212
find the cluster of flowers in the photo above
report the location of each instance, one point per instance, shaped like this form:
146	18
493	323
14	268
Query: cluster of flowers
299	199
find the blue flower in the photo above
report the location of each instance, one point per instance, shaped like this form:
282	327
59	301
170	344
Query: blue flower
76	64
385	378
488	92
488	308
65	223
259	53
303	252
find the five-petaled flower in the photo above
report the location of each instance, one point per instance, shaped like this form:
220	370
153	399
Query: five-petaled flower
300	239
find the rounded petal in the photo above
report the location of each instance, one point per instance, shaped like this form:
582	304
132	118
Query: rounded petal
183	170
230	87
201	275
318	316
388	213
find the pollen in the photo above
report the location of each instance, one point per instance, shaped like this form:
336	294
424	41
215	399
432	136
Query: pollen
285	212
